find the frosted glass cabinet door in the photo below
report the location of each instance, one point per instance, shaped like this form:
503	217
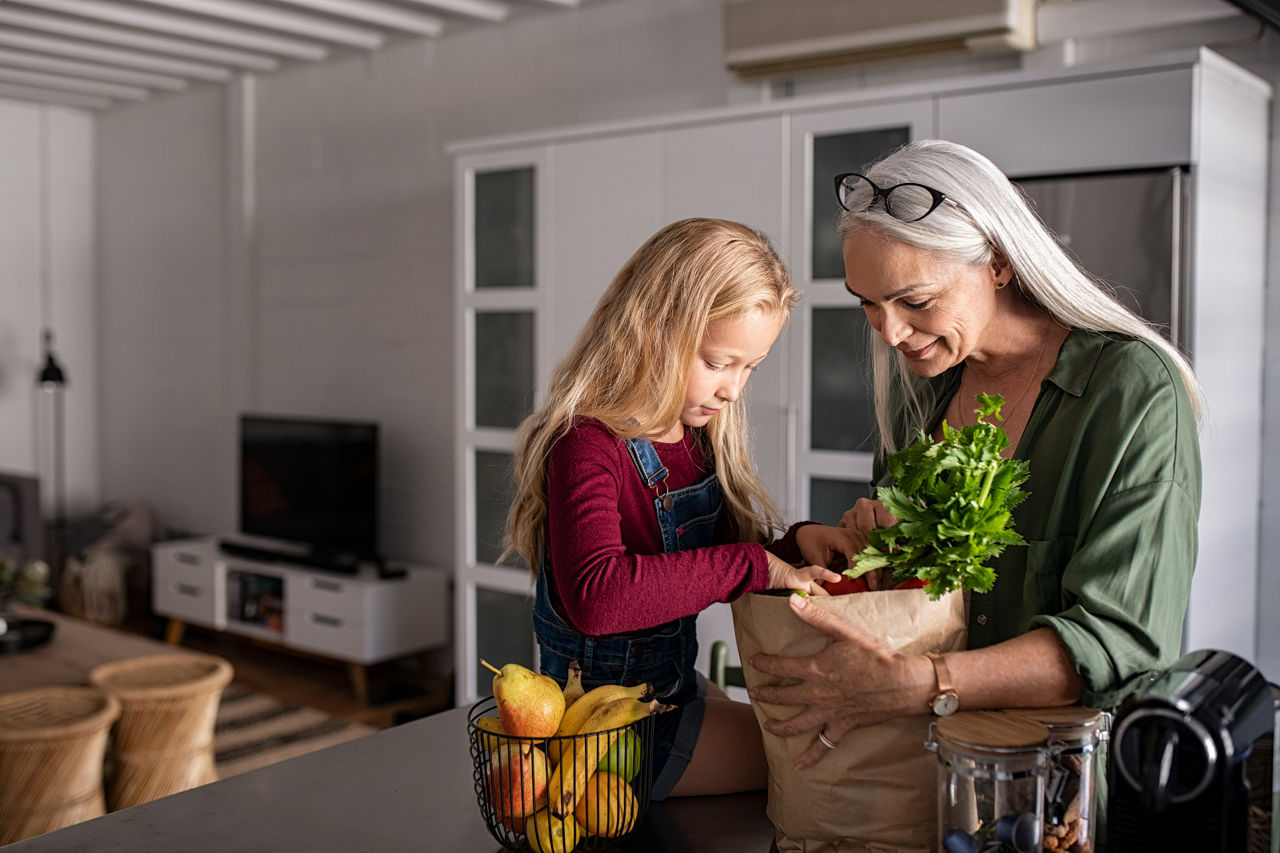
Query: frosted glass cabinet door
504	228
504	342
504	634
494	489
840	390
828	499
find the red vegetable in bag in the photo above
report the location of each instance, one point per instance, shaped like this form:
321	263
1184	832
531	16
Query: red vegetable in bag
846	585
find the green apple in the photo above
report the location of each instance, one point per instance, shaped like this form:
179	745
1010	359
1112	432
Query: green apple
623	758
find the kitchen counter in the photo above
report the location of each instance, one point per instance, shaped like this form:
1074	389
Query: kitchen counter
406	788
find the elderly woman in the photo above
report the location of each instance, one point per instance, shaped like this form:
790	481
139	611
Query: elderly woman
968	293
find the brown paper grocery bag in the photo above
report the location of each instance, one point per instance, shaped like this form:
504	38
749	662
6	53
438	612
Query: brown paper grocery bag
876	792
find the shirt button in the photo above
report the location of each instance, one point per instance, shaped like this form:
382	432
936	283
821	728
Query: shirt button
982	619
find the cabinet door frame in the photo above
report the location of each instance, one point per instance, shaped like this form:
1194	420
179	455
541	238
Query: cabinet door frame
919	117
470	573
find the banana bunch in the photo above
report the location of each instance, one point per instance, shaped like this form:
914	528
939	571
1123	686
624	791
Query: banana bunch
576	715
594	730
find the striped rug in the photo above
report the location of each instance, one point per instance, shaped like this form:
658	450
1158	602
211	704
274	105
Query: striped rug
254	730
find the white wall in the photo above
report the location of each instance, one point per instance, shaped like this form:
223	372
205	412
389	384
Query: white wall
56	143
343	302
348	295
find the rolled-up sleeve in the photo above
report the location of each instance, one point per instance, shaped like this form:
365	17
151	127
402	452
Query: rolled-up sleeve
1127	589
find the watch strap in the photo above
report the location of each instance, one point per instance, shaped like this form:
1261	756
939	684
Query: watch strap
946	690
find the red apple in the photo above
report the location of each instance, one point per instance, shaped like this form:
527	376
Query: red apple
516	781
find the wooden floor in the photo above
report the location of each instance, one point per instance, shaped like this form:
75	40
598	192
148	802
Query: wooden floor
399	690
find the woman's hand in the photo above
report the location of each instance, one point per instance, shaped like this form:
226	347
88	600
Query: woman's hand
866	514
783	575
857	680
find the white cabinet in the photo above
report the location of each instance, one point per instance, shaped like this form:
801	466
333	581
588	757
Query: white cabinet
360	619
607	187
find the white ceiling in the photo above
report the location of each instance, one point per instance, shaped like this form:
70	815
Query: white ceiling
102	53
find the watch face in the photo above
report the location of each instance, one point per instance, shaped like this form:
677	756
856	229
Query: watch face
945	703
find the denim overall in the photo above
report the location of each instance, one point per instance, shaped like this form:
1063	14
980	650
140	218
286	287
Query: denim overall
664	656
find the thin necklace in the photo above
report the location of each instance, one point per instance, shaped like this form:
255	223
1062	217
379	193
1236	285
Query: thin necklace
1025	391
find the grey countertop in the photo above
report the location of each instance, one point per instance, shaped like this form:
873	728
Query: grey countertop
405	788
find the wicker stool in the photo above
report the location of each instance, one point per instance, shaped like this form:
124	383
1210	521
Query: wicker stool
52	741
164	739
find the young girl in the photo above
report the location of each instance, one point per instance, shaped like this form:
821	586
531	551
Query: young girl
637	505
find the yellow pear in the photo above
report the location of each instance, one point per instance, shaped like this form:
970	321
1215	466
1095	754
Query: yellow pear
529	704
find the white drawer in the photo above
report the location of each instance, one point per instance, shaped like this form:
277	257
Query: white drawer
338	598
325	634
185	598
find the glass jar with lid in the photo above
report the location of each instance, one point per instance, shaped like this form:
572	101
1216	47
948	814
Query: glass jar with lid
1071	791
992	775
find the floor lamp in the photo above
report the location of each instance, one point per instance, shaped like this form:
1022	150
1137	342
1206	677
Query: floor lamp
51	382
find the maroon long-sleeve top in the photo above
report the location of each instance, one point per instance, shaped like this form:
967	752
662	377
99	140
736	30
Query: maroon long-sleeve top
608	571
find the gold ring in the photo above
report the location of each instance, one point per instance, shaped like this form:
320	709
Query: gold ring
822	736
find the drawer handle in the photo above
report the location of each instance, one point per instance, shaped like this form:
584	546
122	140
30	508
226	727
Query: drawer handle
327	586
187	589
188	558
331	621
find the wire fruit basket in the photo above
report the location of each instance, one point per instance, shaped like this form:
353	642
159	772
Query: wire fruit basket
516	780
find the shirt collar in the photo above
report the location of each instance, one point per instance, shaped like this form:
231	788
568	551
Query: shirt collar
1076	361
1071	372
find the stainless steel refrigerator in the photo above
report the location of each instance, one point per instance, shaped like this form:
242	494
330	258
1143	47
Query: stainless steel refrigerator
1125	228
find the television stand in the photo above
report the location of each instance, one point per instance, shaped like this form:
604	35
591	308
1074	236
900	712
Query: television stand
361	618
329	561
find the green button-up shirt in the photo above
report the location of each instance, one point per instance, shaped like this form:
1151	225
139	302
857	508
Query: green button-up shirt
1111	519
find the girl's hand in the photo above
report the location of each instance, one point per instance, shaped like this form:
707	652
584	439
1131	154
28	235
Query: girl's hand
857	680
783	575
832	547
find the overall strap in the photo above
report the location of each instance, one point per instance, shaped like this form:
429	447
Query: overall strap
651	469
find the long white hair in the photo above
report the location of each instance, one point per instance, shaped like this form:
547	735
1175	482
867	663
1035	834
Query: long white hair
994	217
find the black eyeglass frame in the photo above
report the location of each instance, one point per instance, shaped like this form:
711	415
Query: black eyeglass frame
938	196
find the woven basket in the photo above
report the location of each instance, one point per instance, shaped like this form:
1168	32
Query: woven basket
52	742
163	740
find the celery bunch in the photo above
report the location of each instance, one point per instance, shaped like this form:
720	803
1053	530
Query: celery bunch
952	499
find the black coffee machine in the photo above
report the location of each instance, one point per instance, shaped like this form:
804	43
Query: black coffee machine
1180	775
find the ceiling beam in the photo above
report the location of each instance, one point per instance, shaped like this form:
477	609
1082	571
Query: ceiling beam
392	17
41	62
112	56
484	10
260	15
72	84
131	38
185	26
53	96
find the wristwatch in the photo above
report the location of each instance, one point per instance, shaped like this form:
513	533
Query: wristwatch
945	701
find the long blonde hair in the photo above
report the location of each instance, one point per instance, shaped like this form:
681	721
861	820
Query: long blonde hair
629	367
996	217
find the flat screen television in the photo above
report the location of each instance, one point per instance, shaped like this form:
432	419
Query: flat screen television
310	481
